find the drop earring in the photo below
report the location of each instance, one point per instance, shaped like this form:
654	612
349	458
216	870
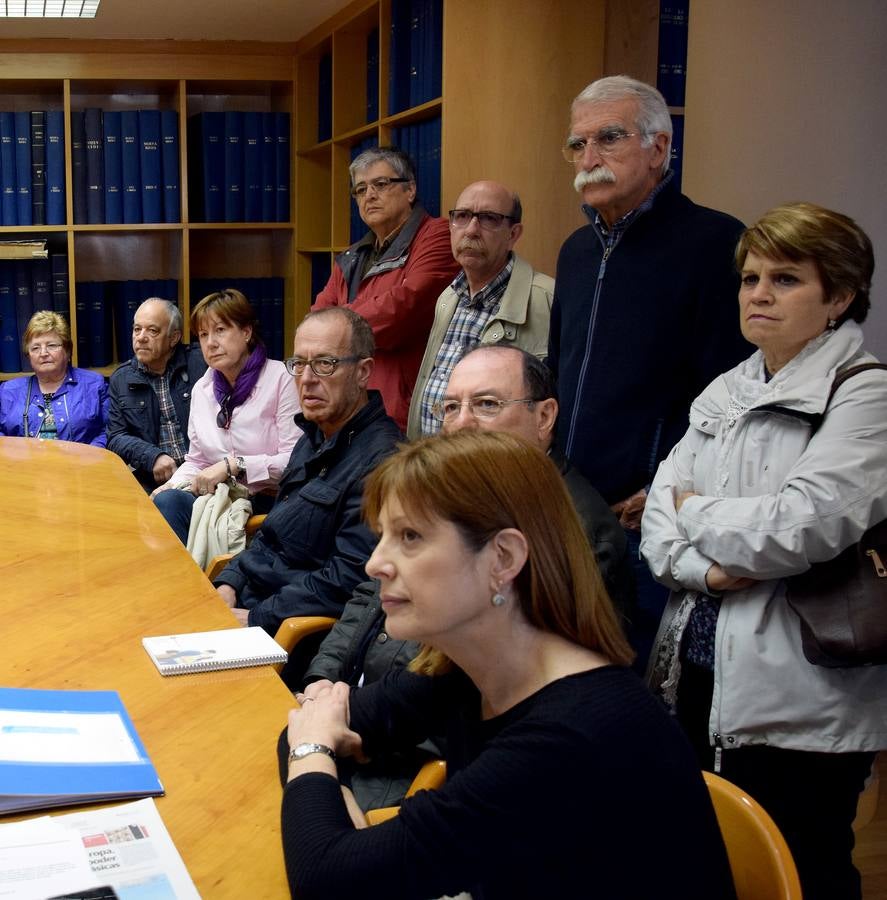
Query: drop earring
832	324
497	599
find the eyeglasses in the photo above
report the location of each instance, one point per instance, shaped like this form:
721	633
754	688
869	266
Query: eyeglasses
606	143
379	185
49	348
223	418
479	407
486	218
322	366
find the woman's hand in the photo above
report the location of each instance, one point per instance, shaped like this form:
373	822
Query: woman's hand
323	719
169	486
205	481
680	498
718	581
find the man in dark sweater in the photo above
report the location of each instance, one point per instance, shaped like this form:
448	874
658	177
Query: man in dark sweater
309	553
645	308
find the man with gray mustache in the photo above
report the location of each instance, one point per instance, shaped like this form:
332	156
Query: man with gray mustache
497	298
645	310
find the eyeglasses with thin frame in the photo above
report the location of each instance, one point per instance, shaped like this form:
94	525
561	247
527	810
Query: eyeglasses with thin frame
49	348
486	218
479	407
379	185
322	366
606	142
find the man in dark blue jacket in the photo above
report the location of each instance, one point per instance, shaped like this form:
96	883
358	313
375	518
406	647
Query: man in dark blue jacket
309	554
645	310
150	395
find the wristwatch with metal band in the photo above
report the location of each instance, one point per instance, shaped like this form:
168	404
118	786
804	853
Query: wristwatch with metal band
304	750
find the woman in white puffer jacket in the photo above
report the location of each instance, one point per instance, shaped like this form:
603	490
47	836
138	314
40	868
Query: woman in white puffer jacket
753	494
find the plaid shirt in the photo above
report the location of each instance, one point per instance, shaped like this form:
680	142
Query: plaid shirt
171	440
469	320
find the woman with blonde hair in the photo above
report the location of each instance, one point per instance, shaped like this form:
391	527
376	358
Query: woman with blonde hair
565	777
241	426
59	401
774	475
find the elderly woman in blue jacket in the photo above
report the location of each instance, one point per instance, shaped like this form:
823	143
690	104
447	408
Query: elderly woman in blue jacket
755	493
57	402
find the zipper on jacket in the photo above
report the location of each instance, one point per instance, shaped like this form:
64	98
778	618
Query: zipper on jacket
719	747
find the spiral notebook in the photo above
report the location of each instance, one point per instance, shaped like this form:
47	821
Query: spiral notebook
205	651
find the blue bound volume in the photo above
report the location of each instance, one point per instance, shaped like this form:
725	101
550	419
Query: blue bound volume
269	168
671	78
169	133
8	214
131	171
81	303
23	168
24	308
233	166
112	131
283	165
55	167
325	97
10	356
58	264
41	285
151	166
373	75
101	351
252	166
95	167
127	301
38	167
78	165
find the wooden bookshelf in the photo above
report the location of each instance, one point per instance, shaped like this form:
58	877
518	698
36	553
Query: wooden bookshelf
189	78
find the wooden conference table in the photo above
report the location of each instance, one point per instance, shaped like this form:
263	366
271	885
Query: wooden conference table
88	567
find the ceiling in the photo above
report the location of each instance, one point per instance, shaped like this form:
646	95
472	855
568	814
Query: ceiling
186	20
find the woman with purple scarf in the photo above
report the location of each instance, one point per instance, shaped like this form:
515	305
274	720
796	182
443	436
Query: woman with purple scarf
241	425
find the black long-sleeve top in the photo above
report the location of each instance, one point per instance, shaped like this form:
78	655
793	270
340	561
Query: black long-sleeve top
584	789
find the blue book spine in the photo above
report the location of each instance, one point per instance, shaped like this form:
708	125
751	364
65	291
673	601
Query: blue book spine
55	167
81	309
131	172
399	57
275	288
24	308
269	168
435	66
8	213
671	78
38	167
41	285
23	168
373	75
95	167
112	130
10	355
233	166
128	300
78	165
58	265
252	166
169	134
101	350
150	166
325	97
416	61
677	149
283	166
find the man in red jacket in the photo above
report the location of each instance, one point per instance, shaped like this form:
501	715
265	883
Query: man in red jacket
394	275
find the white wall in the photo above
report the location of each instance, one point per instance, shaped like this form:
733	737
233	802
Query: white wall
787	100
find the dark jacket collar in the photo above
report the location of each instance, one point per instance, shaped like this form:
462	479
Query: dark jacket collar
372	410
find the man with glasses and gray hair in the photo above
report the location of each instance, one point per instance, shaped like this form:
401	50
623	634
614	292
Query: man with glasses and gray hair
497	298
150	395
393	276
645	306
309	553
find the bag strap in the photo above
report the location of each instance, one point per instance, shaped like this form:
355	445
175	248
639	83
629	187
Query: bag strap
840	378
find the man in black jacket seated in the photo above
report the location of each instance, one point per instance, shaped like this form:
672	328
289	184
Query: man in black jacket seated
309	554
150	395
499	388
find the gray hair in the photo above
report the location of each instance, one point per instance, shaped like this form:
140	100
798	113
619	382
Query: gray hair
653	116
176	323
401	162
363	344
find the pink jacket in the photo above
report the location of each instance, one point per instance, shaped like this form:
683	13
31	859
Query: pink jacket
262	429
